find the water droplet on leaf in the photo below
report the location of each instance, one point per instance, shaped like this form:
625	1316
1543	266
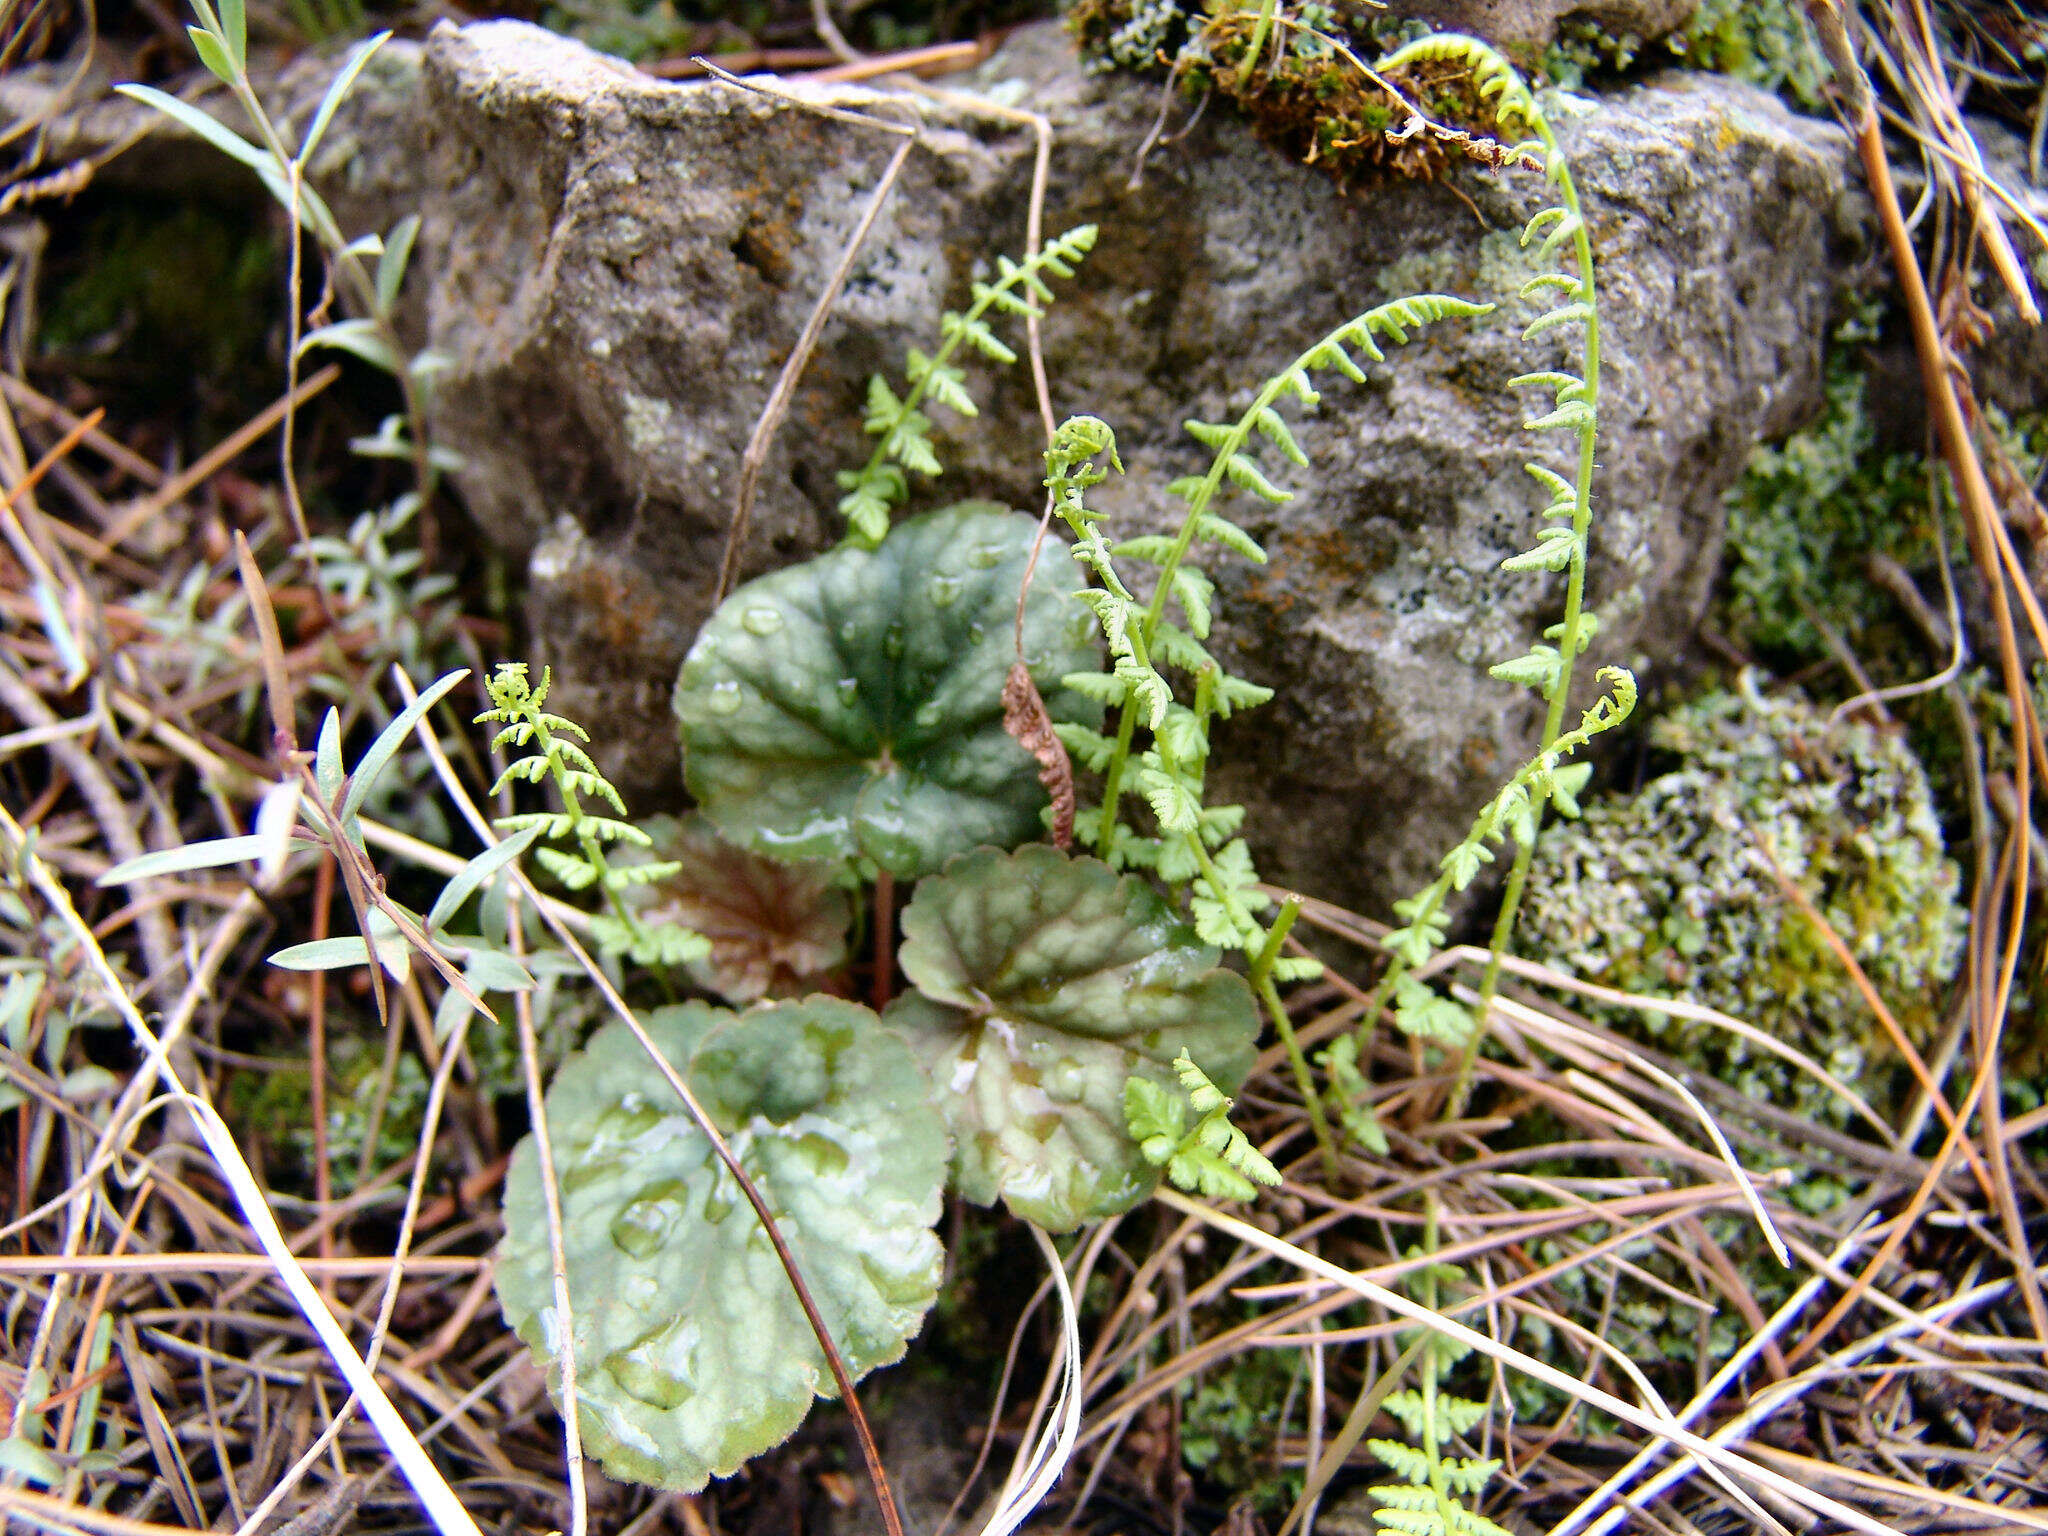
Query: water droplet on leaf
725	697
761	620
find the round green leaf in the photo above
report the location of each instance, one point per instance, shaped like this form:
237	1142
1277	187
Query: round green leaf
1044	983
692	1352
853	704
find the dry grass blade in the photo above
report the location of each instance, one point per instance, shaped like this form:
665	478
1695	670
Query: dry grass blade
1661	1428
439	1500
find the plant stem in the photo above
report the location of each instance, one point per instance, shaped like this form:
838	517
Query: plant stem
885	923
1303	1079
1250	61
1569	635
1263	962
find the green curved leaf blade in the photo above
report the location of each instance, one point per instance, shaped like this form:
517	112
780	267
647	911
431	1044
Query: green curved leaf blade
1045	982
853	704
692	1354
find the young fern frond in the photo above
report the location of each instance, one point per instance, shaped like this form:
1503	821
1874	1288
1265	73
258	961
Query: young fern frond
1196	846
1436	1494
1168	774
1214	1158
518	707
1350	1089
903	430
1561	546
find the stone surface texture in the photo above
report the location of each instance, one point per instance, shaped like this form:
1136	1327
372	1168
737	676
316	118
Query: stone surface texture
617	267
1525	27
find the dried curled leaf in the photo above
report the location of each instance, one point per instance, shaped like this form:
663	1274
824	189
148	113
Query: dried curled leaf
1026	720
692	1352
1045	982
776	929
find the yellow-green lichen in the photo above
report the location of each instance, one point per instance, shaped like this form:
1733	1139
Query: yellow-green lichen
1670	893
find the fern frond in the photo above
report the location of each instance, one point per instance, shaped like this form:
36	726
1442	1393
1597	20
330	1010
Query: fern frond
1568	314
903	429
573	871
1220	530
1421	1013
576	777
1215	1158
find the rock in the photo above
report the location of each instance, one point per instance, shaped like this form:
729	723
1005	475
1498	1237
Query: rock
1524	28
616	268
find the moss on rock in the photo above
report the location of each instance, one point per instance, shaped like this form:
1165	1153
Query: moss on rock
1666	892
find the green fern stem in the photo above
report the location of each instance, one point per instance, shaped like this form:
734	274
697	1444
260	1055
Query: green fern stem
1447	1508
1269	995
1570	638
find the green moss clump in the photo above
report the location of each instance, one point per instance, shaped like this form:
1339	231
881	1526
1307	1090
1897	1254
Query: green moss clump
1140	37
1761	41
1665	892
1302	95
1804	519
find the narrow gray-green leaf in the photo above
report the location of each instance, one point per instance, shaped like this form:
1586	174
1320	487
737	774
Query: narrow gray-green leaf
479	869
234	31
392	263
222	138
212	55
390	739
328	771
210	854
338	91
324	954
361	338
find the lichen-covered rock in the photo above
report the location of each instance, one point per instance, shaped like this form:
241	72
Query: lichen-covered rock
616	268
1667	892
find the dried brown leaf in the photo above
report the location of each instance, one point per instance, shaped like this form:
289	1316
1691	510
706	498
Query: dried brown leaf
1025	718
776	929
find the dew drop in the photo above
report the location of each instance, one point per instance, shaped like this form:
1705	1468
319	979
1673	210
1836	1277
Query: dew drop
725	697
717	1204
985	556
943	590
976	632
927	716
761	620
644	1225
849	688
849	632
892	642
659	1367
